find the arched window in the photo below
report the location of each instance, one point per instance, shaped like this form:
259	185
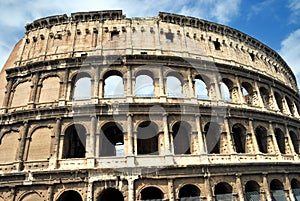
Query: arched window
247	91
201	88
265	95
223	192
212	135
279	135
174	87
9	144
39	147
144	86
239	137
50	90
277	191
290	105
261	137
111	194
278	99
74	142
21	94
32	196
151	194
70	195
189	192
252	191
181	133
113	84
225	88
295	141
147	138
295	184
82	88
112	140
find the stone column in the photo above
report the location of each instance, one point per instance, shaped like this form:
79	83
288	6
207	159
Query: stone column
90	191
272	142
91	142
33	93
288	188
167	150
129	85
253	137
259	101
135	138
239	187
101	88
50	192
95	84
171	190
22	144
201	145
162	90
239	90
131	188
192	94
273	103
7	94
129	134
55	153
265	188
63	96
209	196
229	139
288	142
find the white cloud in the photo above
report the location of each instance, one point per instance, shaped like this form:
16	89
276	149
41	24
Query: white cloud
16	13
294	6
290	51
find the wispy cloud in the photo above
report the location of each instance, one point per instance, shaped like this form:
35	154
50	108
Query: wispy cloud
294	6
16	13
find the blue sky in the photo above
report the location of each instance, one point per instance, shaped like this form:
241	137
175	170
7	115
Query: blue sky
276	23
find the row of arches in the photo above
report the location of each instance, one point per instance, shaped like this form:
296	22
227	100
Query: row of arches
82	86
222	191
148	138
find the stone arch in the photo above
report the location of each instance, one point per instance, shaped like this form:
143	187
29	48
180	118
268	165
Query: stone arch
174	84
31	196
50	89
74	141
280	138
278	99
247	91
277	190
181	137
9	142
147	138
189	192
110	194
151	193
144	83
81	86
201	87
40	143
223	191
261	137
226	86
70	195
295	141
239	137
113	84
265	96
295	185
112	140
21	94
212	132
290	105
252	191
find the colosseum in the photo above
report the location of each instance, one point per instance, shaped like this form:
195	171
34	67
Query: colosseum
100	107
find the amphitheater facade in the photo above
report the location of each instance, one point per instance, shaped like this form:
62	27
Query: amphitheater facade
98	107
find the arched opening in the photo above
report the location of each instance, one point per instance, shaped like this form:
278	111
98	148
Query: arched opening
201	88
32	196
262	138
247	91
70	195
189	192
144	86
276	189
174	87
290	105
252	191
21	94
147	138
226	86
113	84
82	87
151	194
223	192
181	133
9	145
295	141
295	184
279	135
265	96
239	137
74	142
212	136
110	194
112	140
278	99
50	90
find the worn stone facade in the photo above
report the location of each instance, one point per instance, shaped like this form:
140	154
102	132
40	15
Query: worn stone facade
98	107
